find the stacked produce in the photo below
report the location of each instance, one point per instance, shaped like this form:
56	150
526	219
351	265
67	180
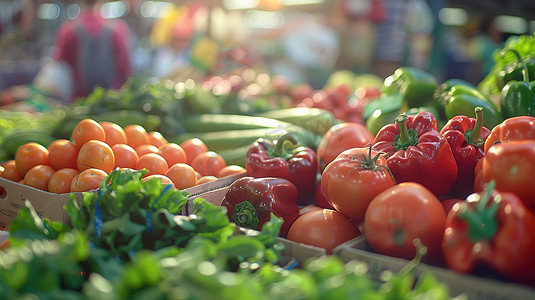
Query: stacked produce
422	164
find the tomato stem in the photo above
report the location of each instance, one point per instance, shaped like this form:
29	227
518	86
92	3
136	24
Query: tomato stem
473	137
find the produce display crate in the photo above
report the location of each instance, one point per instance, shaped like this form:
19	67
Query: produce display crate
50	205
47	205
473	287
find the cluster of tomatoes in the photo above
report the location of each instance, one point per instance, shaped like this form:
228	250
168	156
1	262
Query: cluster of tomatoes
97	148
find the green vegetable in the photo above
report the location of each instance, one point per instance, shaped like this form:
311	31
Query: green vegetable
518	96
416	85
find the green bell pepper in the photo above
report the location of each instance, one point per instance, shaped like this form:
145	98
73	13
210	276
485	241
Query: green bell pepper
416	85
465	104
515	71
518	96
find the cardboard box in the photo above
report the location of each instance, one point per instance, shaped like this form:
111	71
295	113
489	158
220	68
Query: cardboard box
50	205
473	287
47	205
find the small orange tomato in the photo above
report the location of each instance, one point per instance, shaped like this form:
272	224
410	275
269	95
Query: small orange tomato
193	147
125	156
230	170
205	179
145	148
60	181
153	162
30	155
164	179
114	133
39	176
11	172
208	163
96	155
172	153
157	139
62	153
87	180
136	135
86	130
182	175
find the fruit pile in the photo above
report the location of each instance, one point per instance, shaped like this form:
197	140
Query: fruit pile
97	148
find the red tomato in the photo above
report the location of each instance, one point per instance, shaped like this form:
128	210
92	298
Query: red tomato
353	179
87	180
511	165
39	176
401	214
449	203
60	181
325	228
321	201
341	137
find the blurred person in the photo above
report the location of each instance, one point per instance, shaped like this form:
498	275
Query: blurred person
96	50
391	38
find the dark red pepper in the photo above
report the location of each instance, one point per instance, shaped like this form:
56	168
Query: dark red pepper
285	158
493	230
415	151
250	202
466	137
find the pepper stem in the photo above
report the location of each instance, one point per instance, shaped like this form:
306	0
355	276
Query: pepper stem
279	149
406	137
473	136
245	215
525	72
482	224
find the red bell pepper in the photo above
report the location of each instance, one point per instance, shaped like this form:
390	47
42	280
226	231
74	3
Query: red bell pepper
285	158
466	137
493	230
512	129
415	151
250	202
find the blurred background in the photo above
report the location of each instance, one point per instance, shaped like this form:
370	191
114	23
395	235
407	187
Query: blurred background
305	40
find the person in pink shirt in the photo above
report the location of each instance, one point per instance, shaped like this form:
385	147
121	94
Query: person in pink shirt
96	49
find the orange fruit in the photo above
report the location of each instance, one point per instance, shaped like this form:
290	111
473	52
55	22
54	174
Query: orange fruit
145	148
62	154
114	133
172	153
87	180
39	176
182	175
205	179
96	155
125	156
208	163
230	170
11	172
86	130
30	155
153	162
164	179
136	135
193	147
60	181
157	139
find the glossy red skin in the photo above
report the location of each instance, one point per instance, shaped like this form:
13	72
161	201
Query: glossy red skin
341	137
349	187
402	213
512	129
466	155
447	204
479	182
511	165
430	162
321	201
509	252
268	195
301	169
325	228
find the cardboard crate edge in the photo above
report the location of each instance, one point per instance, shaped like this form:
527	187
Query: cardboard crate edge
473	287
47	205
